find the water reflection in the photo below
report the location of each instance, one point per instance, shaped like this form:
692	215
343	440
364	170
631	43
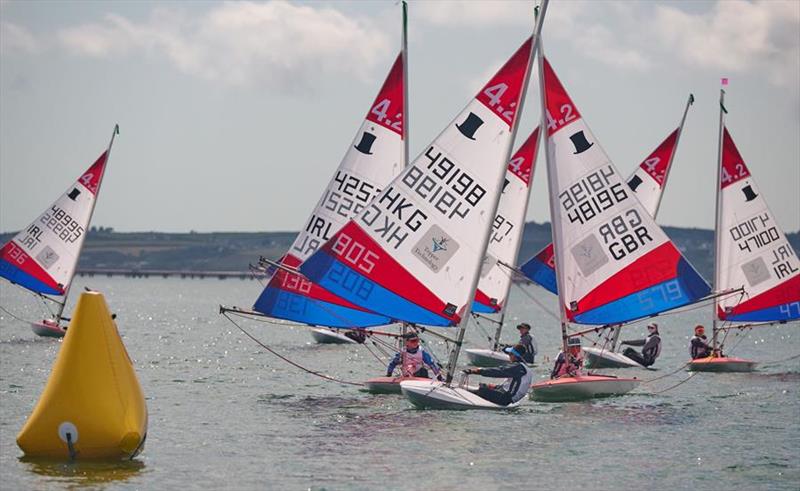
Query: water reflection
76	475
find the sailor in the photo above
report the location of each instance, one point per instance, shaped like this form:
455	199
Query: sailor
518	375
651	350
413	360
357	335
698	346
569	365
527	342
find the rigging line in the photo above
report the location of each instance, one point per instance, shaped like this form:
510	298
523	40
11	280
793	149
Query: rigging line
485	333
287	360
676	385
538	302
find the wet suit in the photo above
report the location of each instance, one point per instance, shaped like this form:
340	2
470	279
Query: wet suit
562	368
415	362
512	390
651	350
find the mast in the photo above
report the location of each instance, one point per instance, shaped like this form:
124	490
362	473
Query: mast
552	192
718	220
689	102
453	361
63	304
519	242
404	54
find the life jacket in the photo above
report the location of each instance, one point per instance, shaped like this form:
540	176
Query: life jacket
698	347
412	362
565	367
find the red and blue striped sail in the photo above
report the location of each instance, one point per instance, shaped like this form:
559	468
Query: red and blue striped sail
616	264
507	227
375	157
647	181
413	253
754	253
43	256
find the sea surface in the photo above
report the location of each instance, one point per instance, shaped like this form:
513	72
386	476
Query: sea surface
226	414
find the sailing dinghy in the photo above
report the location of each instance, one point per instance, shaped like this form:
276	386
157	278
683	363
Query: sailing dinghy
506	238
648	182
613	263
412	254
752	252
43	257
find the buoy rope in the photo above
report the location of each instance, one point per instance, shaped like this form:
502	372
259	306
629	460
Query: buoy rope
773	362
14	316
287	360
666	375
676	385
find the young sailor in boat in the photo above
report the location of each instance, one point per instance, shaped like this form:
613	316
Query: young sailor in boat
517	385
651	350
413	360
698	346
527	342
356	335
569	365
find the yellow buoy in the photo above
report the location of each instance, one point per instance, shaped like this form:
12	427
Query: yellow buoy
92	406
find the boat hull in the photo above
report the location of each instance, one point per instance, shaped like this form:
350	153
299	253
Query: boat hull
328	336
488	358
721	364
599	358
582	387
388	385
431	394
48	329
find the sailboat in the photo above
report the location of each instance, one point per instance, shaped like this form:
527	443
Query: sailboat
648	182
613	263
376	155
507	227
752	252
412	255
43	257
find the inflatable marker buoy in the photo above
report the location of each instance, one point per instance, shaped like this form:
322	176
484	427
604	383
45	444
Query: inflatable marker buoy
92	406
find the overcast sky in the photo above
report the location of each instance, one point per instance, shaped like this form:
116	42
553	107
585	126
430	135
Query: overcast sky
233	116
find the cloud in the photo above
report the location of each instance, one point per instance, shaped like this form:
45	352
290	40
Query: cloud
737	36
473	13
277	43
580	23
17	39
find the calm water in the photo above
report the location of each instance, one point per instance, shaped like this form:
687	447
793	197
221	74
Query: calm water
226	414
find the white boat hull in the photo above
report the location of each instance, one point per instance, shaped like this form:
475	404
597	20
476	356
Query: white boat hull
388	385
329	336
582	387
488	358
431	394
599	358
48	329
